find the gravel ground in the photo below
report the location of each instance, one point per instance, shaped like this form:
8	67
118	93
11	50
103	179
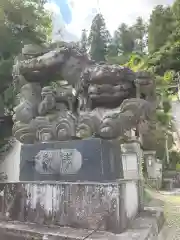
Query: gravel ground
172	213
171	229
172	203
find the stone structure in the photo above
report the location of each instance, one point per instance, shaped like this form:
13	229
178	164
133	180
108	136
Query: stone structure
90	209
102	104
76	160
153	165
154	169
71	142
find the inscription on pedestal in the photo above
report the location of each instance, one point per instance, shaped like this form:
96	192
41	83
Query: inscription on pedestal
60	161
76	160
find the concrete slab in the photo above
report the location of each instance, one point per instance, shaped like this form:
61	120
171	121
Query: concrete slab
144	227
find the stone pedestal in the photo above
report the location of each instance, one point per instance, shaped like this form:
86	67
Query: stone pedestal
76	160
78	184
106	206
134	152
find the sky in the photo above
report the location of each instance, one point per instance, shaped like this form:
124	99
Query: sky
76	15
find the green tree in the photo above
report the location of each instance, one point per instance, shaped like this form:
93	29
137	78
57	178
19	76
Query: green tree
112	50
114	46
139	30
136	62
167	58
176	10
175	36
124	39
21	22
160	28
164	50
84	41
99	39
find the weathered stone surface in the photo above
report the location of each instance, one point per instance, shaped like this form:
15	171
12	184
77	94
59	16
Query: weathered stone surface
44	118
24	133
79	205
96	88
33	50
132	112
88	123
142	228
112	123
146	86
48	102
66	60
107	85
91	160
30	99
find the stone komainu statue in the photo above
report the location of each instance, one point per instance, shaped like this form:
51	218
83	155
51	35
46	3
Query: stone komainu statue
105	100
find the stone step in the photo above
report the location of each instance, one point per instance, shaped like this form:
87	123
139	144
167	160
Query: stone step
34	231
144	227
13	230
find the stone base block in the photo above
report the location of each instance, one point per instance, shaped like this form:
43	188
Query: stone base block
145	227
106	206
91	159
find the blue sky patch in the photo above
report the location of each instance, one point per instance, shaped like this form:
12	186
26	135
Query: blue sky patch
65	10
